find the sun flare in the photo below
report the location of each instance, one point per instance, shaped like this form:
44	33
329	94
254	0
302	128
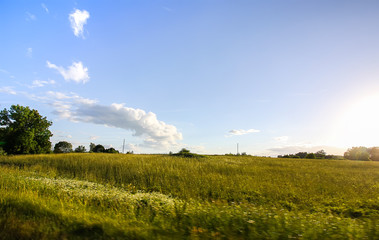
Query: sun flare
359	124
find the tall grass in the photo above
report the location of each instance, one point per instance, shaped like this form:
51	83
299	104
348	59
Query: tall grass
158	196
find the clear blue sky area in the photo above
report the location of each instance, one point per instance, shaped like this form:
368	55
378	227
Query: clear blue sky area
276	77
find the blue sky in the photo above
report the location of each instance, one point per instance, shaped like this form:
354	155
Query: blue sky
274	76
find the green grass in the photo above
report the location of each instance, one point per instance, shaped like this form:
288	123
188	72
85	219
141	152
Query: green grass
115	196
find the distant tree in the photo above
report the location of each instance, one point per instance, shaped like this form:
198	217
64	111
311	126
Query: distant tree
244	154
357	153
80	149
63	147
310	156
186	153
111	150
301	154
374	153
24	130
99	149
320	154
91	147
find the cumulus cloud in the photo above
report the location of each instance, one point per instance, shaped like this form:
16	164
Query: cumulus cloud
155	133
242	132
76	72
78	19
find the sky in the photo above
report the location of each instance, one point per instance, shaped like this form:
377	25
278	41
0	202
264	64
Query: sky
274	77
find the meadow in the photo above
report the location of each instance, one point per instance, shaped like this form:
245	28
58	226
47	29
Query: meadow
131	196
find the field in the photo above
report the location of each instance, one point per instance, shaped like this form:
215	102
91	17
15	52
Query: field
116	196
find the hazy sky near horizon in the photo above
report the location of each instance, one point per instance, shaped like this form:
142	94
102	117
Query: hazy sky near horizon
276	77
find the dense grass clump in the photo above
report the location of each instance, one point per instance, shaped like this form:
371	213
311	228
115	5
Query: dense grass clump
102	196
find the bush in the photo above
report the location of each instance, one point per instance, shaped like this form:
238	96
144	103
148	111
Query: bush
187	154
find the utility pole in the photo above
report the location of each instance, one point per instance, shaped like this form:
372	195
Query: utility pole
237	148
123	146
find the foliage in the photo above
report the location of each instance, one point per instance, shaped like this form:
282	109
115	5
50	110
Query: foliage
187	154
104	196
80	149
374	154
111	150
318	155
91	147
24	130
357	153
99	148
310	156
63	147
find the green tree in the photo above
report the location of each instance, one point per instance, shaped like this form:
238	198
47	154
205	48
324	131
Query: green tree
301	154
99	149
91	147
374	153
310	156
63	147
111	150
80	149
357	153
320	154
24	130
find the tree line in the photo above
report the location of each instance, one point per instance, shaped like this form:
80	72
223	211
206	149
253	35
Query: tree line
317	155
66	147
25	131
354	153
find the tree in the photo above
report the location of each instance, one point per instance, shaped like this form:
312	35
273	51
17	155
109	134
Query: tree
310	156
63	147
374	153
111	150
99	149
357	153
80	149
24	130
301	154
91	147
320	154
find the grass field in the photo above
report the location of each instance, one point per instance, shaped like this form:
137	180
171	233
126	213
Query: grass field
116	196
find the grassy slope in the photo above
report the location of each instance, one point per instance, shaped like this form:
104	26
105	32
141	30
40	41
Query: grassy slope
151	196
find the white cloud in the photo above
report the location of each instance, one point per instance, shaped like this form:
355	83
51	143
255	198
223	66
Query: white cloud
78	19
155	133
29	52
39	83
281	138
76	72
93	137
30	17
242	132
44	7
4	71
8	90
131	147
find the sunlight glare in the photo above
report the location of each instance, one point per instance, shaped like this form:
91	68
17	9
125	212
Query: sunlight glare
359	125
